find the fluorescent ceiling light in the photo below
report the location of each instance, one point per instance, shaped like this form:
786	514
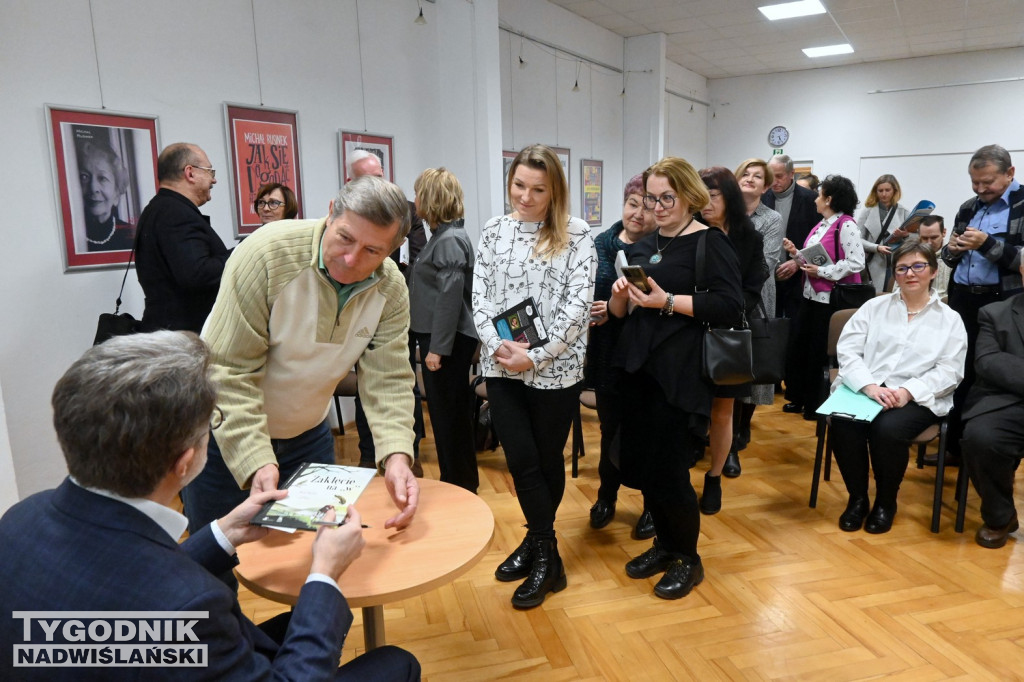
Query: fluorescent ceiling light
788	10
828	50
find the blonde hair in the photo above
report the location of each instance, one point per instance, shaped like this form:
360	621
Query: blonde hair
684	179
553	235
440	196
897	193
769	177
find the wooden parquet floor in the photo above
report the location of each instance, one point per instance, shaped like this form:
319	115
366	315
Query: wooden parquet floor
787	595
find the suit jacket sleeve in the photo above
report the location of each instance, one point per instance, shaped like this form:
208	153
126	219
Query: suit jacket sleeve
992	362
452	261
195	255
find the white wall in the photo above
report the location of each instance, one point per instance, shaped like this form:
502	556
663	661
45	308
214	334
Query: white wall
686	121
923	136
8	484
180	60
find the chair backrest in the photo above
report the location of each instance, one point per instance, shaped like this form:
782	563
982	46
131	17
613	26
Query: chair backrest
835	329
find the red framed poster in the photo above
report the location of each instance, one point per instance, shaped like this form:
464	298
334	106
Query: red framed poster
104	170
592	172
381	146
263	148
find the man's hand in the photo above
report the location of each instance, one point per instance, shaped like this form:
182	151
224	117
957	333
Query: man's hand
235	524
403	488
432	361
517	360
786	270
265	479
970	240
336	547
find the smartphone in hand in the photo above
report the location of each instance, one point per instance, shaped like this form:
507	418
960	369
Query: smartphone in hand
637	277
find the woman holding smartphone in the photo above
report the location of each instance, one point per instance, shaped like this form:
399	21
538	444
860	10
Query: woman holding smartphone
666	402
537	252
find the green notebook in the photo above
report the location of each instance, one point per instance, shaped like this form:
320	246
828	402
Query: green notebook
850	404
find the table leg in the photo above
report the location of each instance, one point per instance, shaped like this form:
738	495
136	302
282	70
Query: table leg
373	627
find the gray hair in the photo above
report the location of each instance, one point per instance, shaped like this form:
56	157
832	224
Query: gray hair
128	408
377	200
785	160
992	154
357	156
172	160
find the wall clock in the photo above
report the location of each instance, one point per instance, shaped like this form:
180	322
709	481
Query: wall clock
778	136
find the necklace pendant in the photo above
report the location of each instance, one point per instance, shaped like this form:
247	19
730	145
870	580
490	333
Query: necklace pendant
655	258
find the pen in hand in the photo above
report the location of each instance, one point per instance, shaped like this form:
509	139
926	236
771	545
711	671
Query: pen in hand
334	523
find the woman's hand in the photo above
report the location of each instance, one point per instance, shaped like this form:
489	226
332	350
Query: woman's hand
810	269
515	358
790	247
656	299
620	289
598	313
884	250
888	398
432	361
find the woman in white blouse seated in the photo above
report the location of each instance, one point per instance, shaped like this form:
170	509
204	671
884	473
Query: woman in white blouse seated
839	235
906	351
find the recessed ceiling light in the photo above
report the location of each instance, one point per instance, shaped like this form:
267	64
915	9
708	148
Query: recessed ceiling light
788	10
828	50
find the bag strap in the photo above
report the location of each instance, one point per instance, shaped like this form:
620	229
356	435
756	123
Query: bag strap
885	226
127	267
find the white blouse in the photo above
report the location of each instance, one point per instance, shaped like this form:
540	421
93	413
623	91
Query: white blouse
925	355
507	272
853	249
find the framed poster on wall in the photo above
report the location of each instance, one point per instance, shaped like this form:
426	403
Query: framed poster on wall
592	174
507	157
563	155
263	148
381	146
104	171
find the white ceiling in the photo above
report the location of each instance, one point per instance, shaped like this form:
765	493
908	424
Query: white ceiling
724	38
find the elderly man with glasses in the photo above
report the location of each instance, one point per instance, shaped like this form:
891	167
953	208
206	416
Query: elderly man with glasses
178	256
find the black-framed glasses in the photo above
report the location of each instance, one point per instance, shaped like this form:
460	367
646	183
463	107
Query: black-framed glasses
216	418
918	268
272	204
667	201
211	171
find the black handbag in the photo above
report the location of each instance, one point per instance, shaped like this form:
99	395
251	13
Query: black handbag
727	354
769	336
852	295
118	323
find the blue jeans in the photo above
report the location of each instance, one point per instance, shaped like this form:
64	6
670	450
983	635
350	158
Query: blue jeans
214	492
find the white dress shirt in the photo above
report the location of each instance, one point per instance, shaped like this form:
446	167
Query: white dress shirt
925	354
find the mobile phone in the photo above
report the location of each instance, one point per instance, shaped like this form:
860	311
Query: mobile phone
637	277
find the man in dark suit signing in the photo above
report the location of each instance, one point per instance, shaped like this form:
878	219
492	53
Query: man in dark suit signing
133	417
993	441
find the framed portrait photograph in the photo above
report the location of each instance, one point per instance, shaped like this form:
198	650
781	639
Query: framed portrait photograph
381	146
104	170
263	149
592	174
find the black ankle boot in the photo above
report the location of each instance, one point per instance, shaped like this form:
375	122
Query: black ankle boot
518	564
547	575
711	498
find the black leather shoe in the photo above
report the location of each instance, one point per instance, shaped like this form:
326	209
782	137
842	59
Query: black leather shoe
792	408
731	469
853	518
602	513
880	519
679	579
994	538
654	560
711	497
547	575
518	564
810	416
644	528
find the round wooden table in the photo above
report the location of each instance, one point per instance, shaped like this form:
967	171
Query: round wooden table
451	531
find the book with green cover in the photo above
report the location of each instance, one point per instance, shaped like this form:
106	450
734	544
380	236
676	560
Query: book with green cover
314	490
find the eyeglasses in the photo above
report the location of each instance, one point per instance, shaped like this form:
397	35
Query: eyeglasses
211	171
273	204
667	201
217	418
918	268
715	194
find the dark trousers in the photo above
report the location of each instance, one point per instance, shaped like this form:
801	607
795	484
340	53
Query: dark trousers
806	355
609	415
215	492
967	305
367	452
534	425
451	411
657	442
885	442
992	446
